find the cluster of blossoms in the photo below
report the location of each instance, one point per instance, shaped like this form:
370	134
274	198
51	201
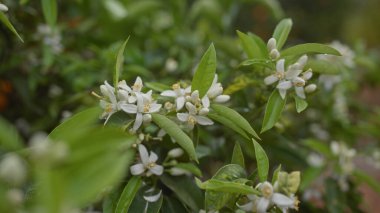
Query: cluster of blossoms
196	107
293	76
270	196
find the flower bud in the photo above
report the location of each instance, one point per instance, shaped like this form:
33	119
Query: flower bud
271	44
13	170
302	61
178	171
222	99
175	153
147	118
310	88
274	54
3	8
204	111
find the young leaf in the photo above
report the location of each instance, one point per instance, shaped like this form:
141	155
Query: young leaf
49	9
251	47
190	168
273	110
205	72
235	117
309	48
237	155
275	174
301	104
128	194
119	63
8	24
228	123
282	31
226	186
262	161
175	132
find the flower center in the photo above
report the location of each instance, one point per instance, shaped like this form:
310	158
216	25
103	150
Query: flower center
299	84
267	191
279	75
146	107
176	86
137	87
151	165
192	120
109	108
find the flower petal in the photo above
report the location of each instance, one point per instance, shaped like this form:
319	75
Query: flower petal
248	207
292	73
300	92
262	205
138	121
144	156
155	108
157	170
282	93
183	116
270	79
280	66
191	108
153	157
202	120
284	85
129	108
137	169
169	93
153	198
180	102
206	101
282	201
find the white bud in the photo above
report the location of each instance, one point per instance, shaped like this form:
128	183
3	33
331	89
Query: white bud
204	111
271	44
3	8
222	99
178	171
274	54
310	88
175	153
147	118
13	170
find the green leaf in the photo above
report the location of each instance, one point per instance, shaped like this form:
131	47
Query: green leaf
309	175
172	205
235	117
237	155
175	132
364	177
301	104
139	204
262	161
275	174
228	123
205	72
258	62
128	194
323	67
310	48
281	32
83	119
226	187
273	110
318	146
8	24
186	191
156	86
119	63
190	168
251	47
10	140
49	9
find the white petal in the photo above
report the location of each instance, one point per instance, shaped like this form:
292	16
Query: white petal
153	198
195	96
178	171
202	120
215	80
262	205
292	73
132	99
302	61
180	102
191	108
129	108
206	101
157	170
123	85
282	93
270	79
307	75
204	111
144	156
282	201
138	122
153	157
188	89
169	93
137	169
284	85
183	116
280	66
300	92
248	207
222	99
138	84
155	108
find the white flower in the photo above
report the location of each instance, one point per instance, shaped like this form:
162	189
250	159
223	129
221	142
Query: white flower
215	92
109	102
197	101
178	93
144	106
272	49
278	75
192	117
3	8
268	198
148	163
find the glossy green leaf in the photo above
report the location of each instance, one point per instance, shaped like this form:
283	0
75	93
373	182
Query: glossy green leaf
119	63
190	168
172	205
282	31
258	62
273	110
49	9
275	174
156	86
175	132
228	123
186	191
8	24
205	72
262	161
310	48
319	146
366	178
251	47
323	67
128	194
10	140
235	117
226	187
301	104
237	155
